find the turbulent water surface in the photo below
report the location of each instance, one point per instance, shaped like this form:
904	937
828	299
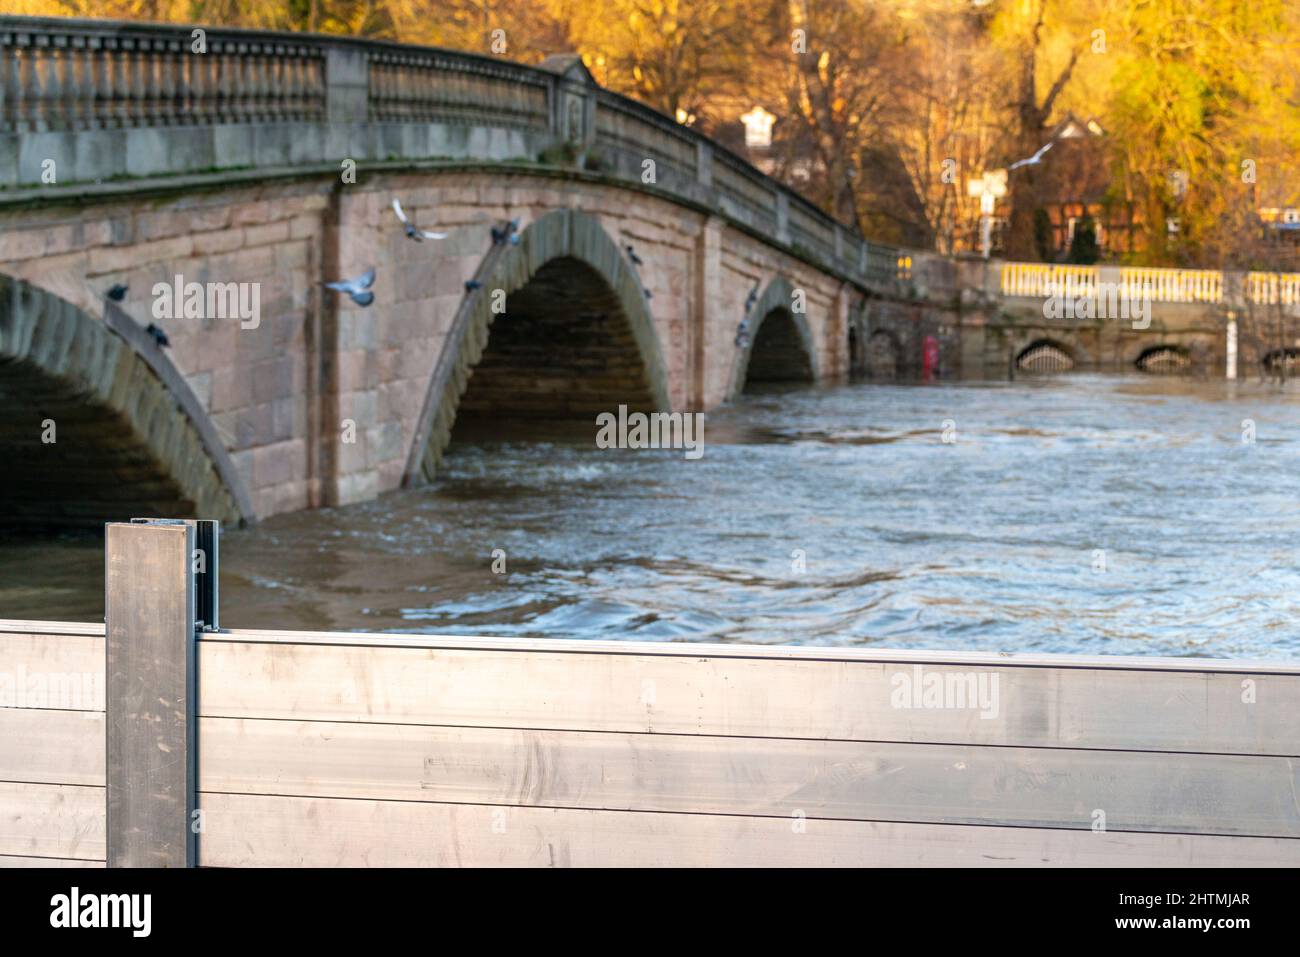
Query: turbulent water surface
1075	514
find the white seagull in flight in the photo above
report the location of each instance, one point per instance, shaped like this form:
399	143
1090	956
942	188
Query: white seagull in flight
1033	160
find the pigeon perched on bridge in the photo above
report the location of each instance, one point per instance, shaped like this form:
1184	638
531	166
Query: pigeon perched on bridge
472	284
118	292
636	261
509	232
357	289
159	337
742	333
753	298
413	231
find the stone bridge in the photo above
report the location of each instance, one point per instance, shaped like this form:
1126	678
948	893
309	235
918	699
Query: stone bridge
1202	321
993	319
157	157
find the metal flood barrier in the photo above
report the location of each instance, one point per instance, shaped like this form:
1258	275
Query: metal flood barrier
152	741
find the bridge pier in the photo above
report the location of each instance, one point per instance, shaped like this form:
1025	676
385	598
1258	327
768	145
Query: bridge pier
707	351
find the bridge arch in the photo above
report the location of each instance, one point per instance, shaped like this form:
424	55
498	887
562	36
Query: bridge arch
1281	361
570	291
780	346
1165	358
1047	355
129	436
883	355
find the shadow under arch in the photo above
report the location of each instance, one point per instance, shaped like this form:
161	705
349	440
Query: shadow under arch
780	347
576	315
130	438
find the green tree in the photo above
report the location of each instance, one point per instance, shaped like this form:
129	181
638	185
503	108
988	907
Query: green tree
1199	87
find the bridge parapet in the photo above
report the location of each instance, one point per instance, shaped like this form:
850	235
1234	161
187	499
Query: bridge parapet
1190	286
117	101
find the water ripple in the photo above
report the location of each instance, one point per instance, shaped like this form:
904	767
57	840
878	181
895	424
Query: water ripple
1089	514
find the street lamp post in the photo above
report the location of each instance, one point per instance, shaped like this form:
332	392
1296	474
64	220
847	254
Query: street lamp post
990	187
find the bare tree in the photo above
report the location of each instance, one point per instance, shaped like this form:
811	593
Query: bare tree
946	127
1030	115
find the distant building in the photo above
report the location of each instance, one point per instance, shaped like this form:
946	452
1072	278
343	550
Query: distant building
1074	182
758	128
761	137
1280	227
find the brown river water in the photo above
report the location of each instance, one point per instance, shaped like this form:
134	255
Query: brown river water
1083	513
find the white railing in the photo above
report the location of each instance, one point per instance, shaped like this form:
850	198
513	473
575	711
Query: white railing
1043	280
1270	288
1173	285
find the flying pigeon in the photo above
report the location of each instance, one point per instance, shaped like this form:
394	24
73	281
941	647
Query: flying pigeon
413	231
1032	161
357	289
118	292
631	254
159	337
507	232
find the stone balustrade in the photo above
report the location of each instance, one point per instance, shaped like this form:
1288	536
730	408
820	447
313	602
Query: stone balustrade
1273	288
1191	286
117	101
59	75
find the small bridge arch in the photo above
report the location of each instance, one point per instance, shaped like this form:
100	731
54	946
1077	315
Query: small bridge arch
1164	359
129	436
1284	361
780	346
1047	356
577	338
883	355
